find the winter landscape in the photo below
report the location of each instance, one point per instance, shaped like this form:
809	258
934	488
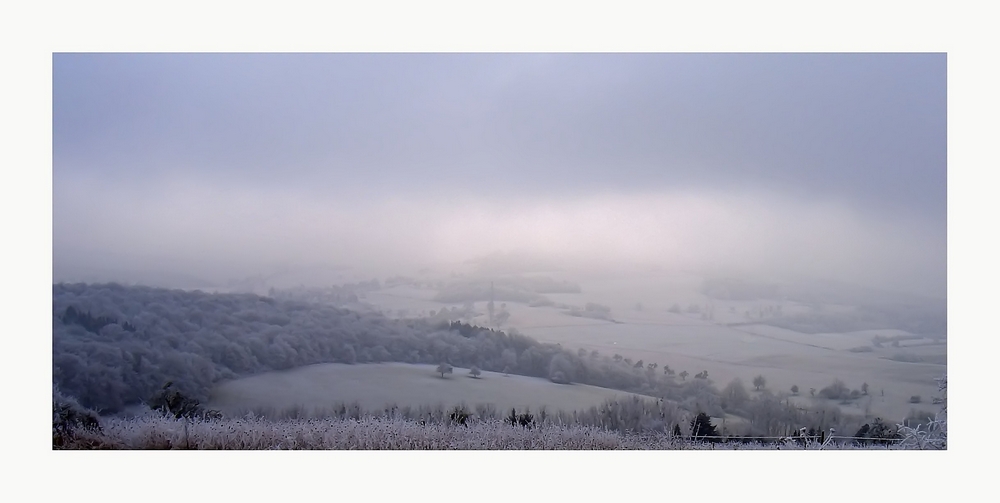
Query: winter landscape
499	251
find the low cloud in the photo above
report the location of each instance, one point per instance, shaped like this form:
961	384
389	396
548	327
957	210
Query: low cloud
228	232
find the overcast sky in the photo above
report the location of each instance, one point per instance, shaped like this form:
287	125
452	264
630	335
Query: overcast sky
832	165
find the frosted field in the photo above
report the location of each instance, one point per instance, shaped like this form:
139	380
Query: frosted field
376	385
728	354
686	342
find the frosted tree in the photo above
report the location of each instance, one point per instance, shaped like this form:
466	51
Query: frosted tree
443	369
735	394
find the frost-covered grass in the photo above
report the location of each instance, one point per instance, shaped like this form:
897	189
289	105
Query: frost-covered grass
375	385
382	433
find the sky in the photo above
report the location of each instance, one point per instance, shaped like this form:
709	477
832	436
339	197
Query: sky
223	165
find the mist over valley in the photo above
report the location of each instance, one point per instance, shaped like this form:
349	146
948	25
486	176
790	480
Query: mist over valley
698	247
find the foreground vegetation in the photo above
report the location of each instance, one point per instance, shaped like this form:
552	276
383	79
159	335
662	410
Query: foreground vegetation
382	433
178	422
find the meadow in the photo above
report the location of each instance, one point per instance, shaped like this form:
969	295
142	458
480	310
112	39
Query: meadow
377	385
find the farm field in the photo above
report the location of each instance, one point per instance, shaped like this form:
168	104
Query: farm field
376	385
729	346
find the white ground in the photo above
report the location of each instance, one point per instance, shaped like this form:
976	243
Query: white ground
686	342
376	385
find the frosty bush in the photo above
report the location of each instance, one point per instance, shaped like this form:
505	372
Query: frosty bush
71	421
933	434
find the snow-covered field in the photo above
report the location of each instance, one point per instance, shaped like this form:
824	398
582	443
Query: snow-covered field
374	386
731	345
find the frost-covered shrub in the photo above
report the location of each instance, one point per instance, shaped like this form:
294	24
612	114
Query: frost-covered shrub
877	432
918	417
172	402
460	415
70	420
934	433
930	435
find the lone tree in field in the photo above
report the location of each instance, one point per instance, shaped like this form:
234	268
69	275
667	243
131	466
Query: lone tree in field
684	374
758	382
864	388
836	391
444	368
795	389
474	372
